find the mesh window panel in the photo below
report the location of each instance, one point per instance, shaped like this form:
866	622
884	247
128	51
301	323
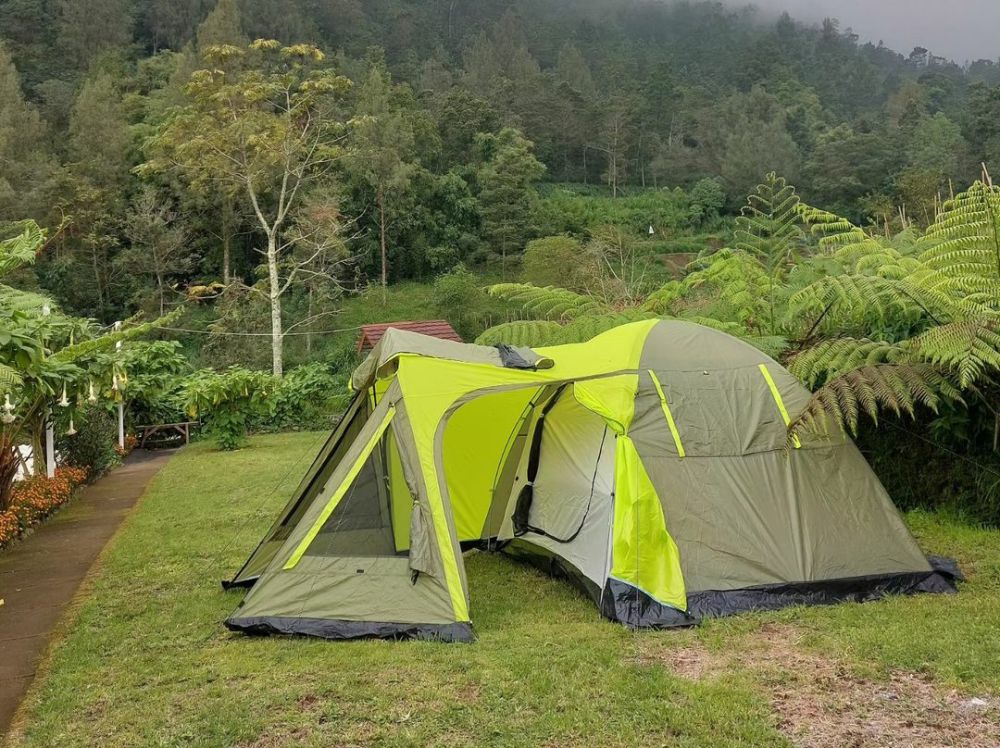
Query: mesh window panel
346	440
362	523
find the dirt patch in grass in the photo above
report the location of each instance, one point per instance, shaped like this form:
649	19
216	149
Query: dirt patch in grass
820	702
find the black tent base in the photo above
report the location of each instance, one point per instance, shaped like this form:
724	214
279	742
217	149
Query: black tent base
243	584
339	629
626	604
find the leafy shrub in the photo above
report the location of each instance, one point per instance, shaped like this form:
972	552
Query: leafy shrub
93	446
564	211
36	498
228	402
708	198
154	381
307	398
554	261
460	298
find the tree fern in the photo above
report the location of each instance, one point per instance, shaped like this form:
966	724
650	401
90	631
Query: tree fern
557	304
20	250
769	226
832	358
836	407
964	242
525	332
969	348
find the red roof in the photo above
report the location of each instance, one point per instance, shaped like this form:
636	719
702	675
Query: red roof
437	328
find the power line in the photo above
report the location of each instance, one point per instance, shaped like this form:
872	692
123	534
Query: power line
259	334
943	448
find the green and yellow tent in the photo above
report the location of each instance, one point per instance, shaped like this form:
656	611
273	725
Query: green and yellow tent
649	465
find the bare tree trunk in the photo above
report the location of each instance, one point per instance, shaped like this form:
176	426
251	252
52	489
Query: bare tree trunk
380	197
159	288
97	276
309	324
277	336
227	238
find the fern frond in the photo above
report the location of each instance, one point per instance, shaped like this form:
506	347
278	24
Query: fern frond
963	244
836	407
547	302
524	332
9	379
970	348
662	299
20	250
832	358
769	223
16	300
737	280
850	300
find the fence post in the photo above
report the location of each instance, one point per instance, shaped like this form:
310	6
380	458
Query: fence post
121	405
50	445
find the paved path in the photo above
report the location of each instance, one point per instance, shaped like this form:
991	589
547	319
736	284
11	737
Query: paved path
40	575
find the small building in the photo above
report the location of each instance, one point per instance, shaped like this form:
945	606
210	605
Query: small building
436	328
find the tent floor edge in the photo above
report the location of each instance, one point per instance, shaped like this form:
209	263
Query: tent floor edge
632	607
716	603
238	584
342	629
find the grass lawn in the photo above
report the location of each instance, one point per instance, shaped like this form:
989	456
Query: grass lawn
147	662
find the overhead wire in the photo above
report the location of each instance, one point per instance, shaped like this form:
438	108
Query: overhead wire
259	334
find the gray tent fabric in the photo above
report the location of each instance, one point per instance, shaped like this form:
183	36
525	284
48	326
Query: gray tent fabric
745	510
573	490
349	583
395	343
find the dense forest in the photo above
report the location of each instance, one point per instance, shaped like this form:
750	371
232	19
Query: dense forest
262	174
448	115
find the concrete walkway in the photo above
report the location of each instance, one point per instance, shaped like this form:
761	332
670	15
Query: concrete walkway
40	575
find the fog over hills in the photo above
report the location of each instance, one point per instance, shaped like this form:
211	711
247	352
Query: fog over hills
961	30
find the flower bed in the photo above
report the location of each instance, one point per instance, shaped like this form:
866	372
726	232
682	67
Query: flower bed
36	498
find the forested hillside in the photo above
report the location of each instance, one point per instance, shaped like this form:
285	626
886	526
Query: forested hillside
450	112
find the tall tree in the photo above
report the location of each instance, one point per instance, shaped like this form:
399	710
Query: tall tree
98	168
159	243
223	25
89	27
264	119
170	23
25	165
506	190
382	147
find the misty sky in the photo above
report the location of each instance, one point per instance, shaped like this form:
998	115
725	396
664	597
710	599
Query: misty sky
959	29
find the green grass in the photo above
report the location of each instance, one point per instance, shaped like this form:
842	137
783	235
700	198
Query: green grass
147	663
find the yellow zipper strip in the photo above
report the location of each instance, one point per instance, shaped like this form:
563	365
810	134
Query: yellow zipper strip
777	399
667	414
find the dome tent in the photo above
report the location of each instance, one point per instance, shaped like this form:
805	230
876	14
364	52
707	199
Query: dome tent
649	465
